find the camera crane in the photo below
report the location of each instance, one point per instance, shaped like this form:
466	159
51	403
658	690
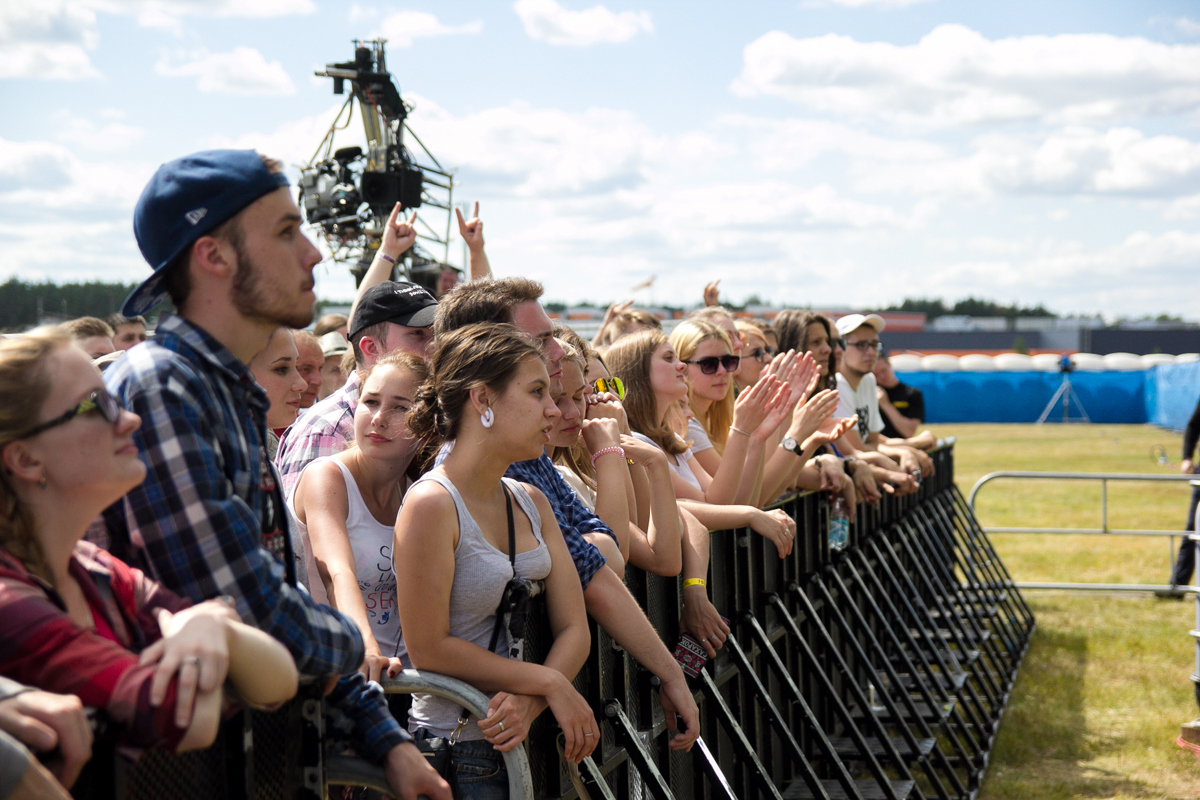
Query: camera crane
348	194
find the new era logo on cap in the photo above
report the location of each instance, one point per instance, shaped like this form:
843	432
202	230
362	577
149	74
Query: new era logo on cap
196	215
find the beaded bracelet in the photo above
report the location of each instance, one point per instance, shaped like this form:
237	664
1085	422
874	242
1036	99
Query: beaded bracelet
605	451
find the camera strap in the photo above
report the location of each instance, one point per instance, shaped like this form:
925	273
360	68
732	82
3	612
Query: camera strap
465	716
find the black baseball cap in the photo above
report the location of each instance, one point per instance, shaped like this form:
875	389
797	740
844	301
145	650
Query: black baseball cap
400	302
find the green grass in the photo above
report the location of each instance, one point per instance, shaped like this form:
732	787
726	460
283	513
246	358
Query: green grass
1105	684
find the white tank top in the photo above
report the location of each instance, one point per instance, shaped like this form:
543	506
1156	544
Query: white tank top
371	544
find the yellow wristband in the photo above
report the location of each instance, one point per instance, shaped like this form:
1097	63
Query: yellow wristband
694	582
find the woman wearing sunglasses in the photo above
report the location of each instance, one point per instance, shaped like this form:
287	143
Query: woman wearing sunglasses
756	354
74	619
656	379
728	437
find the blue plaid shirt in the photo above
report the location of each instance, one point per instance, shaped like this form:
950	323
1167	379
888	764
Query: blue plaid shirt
203	519
573	516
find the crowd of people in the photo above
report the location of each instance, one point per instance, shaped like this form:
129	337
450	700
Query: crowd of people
240	506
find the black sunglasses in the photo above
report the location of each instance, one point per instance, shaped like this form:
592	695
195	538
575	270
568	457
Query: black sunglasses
709	365
99	400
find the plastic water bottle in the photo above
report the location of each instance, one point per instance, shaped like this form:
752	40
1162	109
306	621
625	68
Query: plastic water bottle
839	523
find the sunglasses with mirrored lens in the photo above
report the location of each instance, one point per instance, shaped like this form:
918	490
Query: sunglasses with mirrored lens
709	365
614	385
99	400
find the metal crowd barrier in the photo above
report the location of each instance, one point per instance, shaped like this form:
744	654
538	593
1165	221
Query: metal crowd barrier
1103	530
880	671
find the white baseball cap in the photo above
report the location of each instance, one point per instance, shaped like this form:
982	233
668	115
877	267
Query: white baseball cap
852	322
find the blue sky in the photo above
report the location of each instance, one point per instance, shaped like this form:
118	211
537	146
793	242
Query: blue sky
827	153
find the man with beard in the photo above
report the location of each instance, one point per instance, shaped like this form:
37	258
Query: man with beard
223	235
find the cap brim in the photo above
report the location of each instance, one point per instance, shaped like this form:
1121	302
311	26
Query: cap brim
419	319
145	297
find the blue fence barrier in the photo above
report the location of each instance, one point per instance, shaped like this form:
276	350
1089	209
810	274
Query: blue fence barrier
1021	396
1171	393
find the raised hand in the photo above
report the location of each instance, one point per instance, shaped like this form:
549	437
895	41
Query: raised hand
398	234
751	406
831	430
470	230
712	295
809	417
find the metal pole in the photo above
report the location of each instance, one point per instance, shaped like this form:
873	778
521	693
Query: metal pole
1104	504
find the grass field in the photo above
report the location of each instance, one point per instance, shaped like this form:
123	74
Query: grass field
1105	685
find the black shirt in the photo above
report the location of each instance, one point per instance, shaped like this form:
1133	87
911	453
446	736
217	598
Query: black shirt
909	401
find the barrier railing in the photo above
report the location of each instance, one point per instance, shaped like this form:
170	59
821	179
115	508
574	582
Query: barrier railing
1104	530
878	671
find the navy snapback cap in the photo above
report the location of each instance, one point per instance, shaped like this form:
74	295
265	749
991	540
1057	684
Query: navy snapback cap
186	199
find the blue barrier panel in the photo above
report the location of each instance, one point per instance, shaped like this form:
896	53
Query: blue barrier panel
1171	393
1021	396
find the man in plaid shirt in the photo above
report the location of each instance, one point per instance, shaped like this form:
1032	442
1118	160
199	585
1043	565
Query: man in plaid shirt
223	235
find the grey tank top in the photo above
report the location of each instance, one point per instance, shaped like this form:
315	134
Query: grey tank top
480	574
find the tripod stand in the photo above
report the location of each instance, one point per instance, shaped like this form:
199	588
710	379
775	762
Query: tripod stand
1067	395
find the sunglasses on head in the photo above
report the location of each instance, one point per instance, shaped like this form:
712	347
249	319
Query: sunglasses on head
709	365
99	400
614	385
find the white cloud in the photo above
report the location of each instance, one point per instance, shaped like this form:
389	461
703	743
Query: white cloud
954	76
405	27
547	21
243	70
88	135
1121	162
47	40
1188	27
170	13
294	141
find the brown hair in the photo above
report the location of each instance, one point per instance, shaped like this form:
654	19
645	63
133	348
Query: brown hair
413	363
177	279
118	319
629	360
582	346
378	332
686	338
303	338
24	387
329	322
622	322
483	301
87	327
791	331
483	354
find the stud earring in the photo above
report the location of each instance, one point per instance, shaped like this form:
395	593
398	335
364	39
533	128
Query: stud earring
42	483
487	418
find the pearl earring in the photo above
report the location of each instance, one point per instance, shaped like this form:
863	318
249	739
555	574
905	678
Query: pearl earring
487	418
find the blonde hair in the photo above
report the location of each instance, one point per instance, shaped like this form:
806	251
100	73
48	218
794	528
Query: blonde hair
686	338
24	387
629	360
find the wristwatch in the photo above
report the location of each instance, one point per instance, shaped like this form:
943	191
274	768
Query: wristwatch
790	445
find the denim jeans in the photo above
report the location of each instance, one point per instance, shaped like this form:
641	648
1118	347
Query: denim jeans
478	771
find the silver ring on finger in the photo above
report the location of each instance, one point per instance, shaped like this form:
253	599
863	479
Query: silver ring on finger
589	734
193	660
501	726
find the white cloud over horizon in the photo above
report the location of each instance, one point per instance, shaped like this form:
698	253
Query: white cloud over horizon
48	40
954	76
547	21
